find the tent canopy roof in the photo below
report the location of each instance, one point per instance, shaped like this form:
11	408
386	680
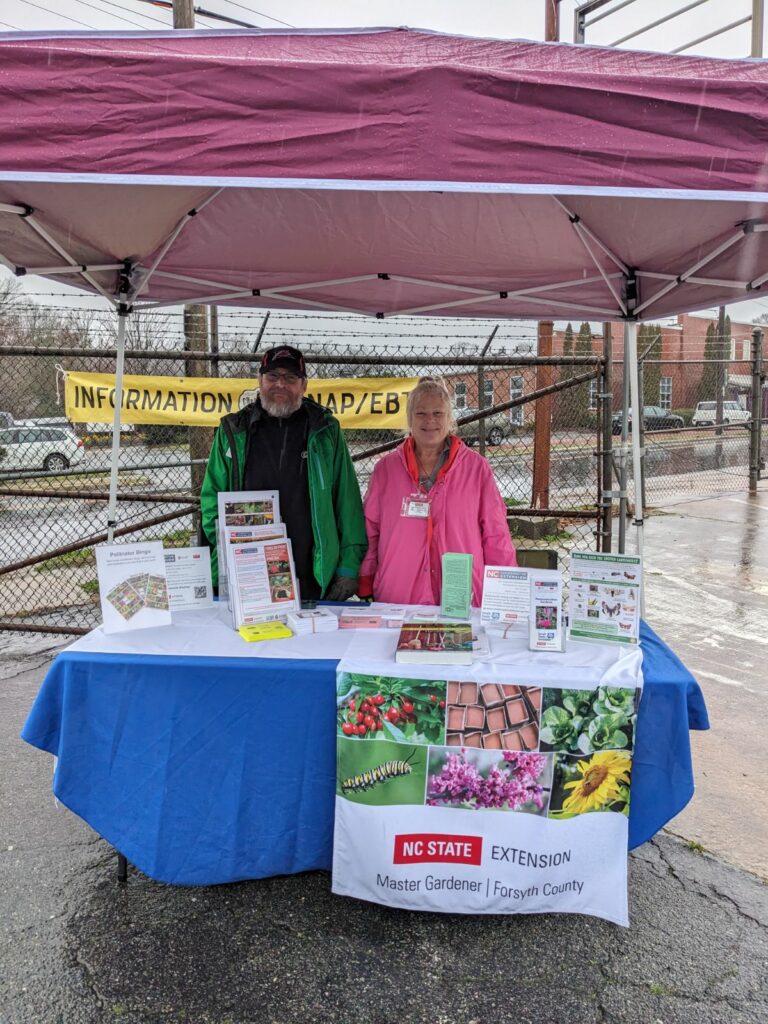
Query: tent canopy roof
384	171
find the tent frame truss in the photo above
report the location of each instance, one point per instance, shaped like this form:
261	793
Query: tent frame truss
133	280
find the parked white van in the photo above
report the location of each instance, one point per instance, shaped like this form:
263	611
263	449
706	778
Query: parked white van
706	413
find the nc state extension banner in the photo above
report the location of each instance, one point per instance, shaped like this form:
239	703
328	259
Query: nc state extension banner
483	798
366	403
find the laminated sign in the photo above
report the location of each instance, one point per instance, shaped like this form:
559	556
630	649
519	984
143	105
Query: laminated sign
484	797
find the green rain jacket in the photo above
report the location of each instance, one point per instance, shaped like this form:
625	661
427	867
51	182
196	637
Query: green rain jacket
338	526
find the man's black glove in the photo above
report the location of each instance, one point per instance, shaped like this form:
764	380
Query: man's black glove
341	588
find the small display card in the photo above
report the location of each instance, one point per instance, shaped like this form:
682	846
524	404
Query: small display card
456	590
604	599
188	574
545	621
506	595
132	586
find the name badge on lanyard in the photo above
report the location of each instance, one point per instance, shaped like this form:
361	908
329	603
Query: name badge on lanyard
415	506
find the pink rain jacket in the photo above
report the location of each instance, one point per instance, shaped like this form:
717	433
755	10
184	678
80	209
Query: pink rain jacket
467	515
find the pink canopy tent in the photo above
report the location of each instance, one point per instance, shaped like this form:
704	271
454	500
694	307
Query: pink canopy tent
383	172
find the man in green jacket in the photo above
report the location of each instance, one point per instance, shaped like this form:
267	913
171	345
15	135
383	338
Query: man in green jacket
288	443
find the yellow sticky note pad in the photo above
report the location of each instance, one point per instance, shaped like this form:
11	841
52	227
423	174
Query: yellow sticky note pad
265	631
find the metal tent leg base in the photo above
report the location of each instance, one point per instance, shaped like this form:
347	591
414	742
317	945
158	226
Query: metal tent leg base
122	867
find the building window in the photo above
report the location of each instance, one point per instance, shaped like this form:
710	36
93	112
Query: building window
665	392
487	393
515	390
593	386
460	395
746	355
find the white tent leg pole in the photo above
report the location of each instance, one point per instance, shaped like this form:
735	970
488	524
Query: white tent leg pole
122	317
637	412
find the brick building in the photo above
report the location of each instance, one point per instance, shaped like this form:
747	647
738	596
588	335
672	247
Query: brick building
677	374
682	371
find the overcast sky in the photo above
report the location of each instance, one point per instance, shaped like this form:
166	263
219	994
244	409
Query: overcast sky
512	19
509	19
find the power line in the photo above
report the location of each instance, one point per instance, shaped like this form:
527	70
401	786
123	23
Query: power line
148	17
56	14
5	23
201	12
261	14
102	11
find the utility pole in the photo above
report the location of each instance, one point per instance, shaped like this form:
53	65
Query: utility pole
195	317
183	14
758	21
551	21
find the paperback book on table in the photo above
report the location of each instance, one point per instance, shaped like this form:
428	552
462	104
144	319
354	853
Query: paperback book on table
435	643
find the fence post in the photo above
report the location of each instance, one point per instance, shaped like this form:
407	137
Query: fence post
640	428
196	340
755	429
605	535
542	431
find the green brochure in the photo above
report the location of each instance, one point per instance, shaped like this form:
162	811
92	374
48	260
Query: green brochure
456	592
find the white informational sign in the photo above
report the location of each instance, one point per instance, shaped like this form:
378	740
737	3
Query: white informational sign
248	508
262	582
188	574
483	798
132	586
231	535
244	516
506	595
604	597
545	623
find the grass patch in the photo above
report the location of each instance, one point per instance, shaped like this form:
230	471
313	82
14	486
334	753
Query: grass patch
656	988
85	556
174	539
90	587
695	847
547	538
69	560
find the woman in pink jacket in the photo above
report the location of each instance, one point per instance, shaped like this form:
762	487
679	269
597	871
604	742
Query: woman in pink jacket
431	495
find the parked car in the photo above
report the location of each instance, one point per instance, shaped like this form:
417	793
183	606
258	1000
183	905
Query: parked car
654	418
498	427
705	414
48	448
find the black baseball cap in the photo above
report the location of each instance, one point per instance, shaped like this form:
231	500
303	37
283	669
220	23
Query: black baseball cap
286	357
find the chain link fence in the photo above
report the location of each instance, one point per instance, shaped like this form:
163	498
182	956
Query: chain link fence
694	445
541	423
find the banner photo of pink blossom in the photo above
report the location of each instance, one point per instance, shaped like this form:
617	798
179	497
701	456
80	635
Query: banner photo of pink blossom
466	796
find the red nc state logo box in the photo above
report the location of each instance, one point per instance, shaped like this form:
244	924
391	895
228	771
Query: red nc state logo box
435	848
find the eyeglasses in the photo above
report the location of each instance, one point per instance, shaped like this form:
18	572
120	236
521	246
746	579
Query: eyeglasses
286	378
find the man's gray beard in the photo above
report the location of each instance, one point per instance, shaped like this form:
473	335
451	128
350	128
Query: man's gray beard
280	410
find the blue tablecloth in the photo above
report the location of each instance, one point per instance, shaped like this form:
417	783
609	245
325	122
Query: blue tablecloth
209	770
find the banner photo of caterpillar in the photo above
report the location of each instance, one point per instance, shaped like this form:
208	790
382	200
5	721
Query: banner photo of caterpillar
381	774
365	403
452	796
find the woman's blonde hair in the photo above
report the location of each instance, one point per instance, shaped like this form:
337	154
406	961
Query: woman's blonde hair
433	388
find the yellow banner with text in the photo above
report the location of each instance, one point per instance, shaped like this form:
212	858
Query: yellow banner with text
365	403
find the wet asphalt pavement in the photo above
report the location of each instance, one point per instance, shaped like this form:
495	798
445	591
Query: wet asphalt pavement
77	948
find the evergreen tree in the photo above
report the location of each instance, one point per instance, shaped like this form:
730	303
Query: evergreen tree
580	394
708	380
562	408
650	335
